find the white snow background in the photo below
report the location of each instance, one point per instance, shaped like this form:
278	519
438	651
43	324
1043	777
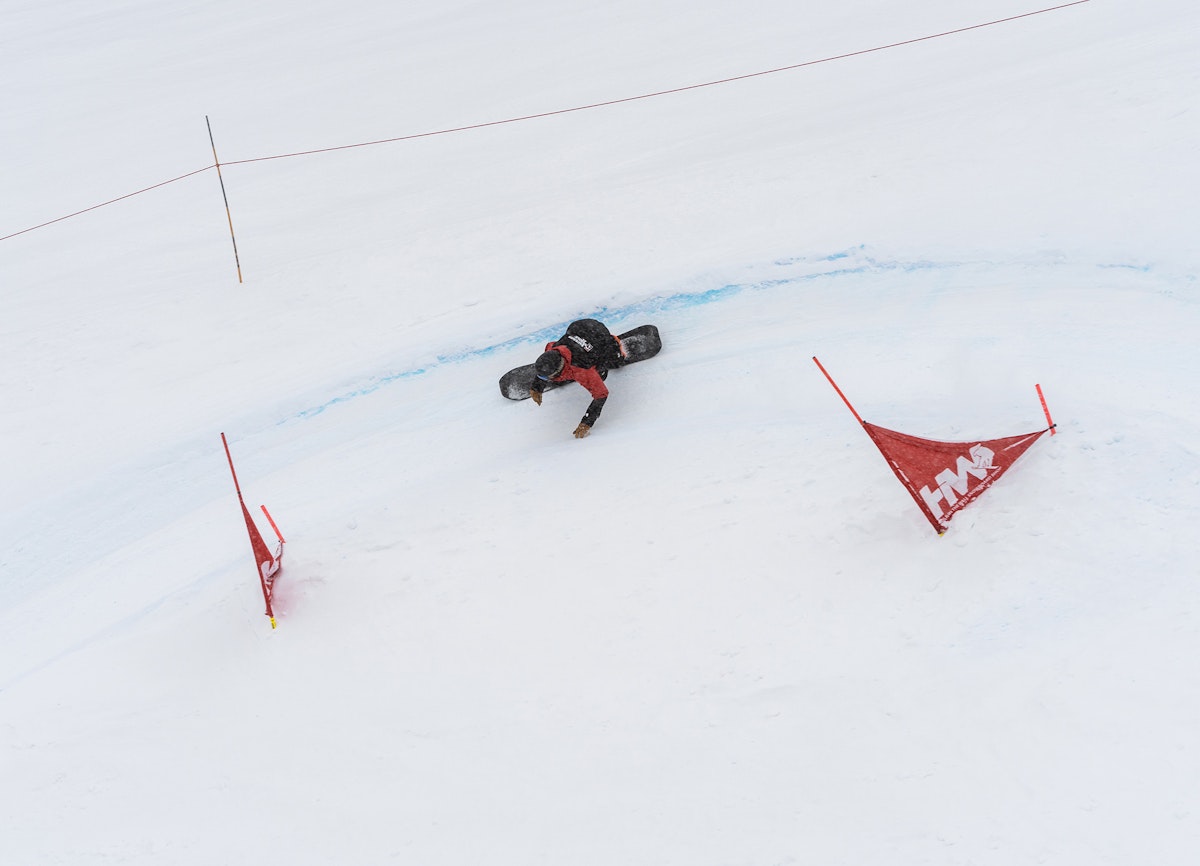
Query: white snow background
717	631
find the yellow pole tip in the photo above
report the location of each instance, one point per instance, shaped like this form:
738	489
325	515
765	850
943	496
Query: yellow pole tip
272	622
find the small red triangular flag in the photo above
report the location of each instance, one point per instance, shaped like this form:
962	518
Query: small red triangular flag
268	563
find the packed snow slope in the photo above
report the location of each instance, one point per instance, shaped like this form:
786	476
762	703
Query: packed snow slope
717	631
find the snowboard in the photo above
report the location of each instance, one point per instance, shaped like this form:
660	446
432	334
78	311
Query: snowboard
638	345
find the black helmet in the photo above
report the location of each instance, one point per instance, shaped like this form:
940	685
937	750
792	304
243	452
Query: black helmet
548	365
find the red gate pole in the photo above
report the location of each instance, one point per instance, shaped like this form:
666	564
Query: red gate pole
232	471
1045	409
271	520
839	391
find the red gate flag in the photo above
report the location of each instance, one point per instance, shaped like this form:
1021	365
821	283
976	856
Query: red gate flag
268	564
945	477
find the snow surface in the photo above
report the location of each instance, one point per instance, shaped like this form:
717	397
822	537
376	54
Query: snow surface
717	631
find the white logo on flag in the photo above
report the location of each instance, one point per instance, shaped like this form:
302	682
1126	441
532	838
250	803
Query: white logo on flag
953	483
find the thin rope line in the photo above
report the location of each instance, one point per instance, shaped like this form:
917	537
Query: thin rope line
673	90
560	111
112	201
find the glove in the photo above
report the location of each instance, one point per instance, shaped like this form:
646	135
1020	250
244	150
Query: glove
537	397
582	430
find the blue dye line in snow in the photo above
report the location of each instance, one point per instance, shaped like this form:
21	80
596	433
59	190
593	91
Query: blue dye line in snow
681	300
857	264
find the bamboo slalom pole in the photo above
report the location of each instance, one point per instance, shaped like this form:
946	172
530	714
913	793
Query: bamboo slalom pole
228	215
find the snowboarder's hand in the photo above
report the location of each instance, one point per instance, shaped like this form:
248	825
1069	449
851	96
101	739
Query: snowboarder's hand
582	430
537	397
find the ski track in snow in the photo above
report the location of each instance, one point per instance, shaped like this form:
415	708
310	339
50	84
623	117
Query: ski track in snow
197	483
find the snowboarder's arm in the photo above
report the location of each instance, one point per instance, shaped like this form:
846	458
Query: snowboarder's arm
591	380
593	411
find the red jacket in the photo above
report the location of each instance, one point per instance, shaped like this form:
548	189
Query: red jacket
588	377
585	376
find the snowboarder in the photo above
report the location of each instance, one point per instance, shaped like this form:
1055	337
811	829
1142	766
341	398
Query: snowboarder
584	354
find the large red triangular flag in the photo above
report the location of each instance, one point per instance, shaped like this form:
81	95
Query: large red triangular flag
944	477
